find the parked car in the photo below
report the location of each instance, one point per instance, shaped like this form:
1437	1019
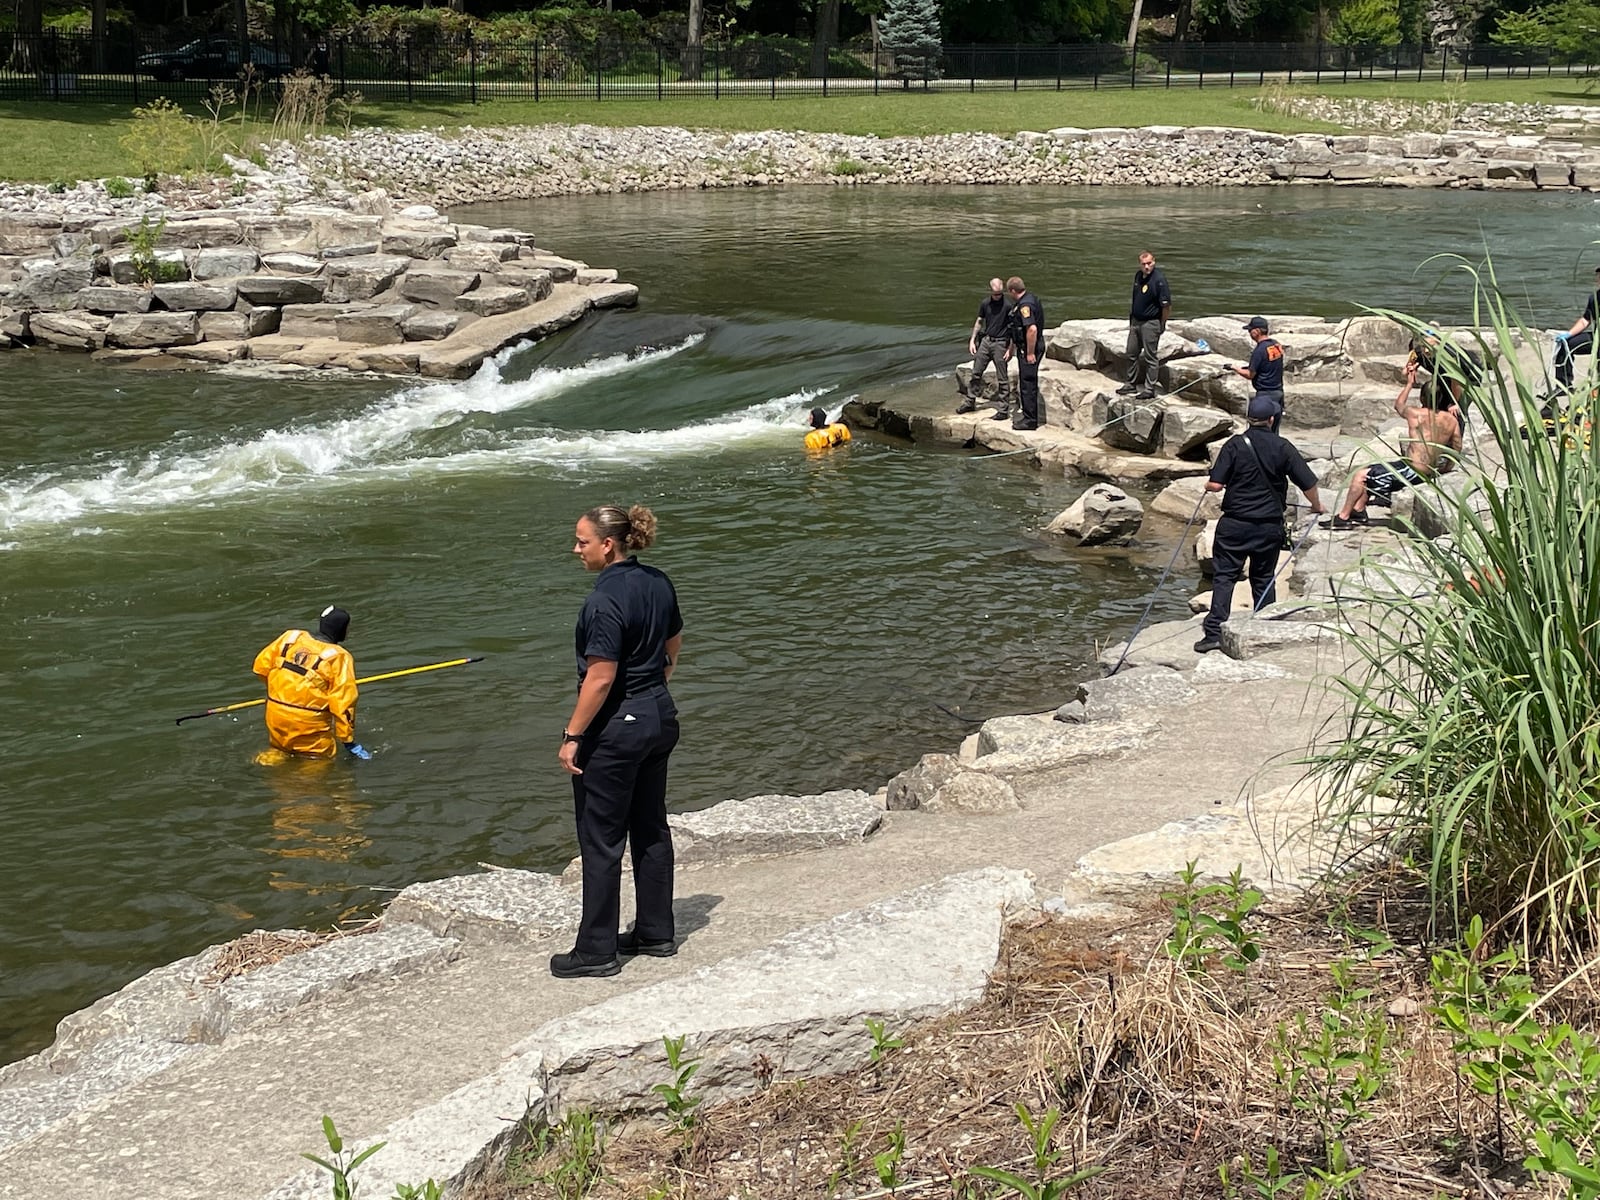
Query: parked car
212	58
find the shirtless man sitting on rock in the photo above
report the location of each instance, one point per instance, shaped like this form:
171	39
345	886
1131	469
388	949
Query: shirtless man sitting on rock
1432	433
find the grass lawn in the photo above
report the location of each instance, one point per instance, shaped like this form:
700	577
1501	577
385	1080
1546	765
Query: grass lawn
47	141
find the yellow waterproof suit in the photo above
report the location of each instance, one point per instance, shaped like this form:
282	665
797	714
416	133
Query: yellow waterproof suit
827	437
311	694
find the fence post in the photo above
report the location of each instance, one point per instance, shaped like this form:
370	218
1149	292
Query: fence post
824	69
1233	61
472	65
536	70
1170	55
1422	53
1549	62
343	38
408	68
1344	64
1202	81
972	71
661	70
1319	53
599	76
54	65
1016	67
135	40
716	72
1058	67
877	71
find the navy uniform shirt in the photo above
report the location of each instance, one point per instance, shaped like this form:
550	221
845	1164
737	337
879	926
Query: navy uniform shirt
1257	484
1028	311
994	318
1266	365
627	619
1150	294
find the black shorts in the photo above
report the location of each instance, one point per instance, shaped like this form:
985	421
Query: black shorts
1385	479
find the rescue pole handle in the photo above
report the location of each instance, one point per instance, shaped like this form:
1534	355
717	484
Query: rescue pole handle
438	666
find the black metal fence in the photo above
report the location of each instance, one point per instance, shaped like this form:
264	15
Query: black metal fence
131	68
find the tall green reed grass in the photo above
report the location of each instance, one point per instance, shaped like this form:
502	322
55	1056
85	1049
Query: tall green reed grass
1472	721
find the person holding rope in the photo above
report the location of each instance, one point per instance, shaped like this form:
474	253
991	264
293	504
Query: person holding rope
616	744
1252	471
311	689
1265	368
1577	340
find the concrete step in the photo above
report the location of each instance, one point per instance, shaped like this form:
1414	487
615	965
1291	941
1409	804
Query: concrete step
799	1006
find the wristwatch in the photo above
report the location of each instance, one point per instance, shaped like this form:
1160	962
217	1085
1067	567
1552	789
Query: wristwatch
570	737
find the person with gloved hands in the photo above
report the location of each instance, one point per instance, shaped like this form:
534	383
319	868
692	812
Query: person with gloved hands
311	689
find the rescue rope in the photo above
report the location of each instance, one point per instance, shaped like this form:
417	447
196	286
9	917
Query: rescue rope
1145	616
438	666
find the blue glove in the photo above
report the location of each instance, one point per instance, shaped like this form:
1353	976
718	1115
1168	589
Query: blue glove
358	750
1561	337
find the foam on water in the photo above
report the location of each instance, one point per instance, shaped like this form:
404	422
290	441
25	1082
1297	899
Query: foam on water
374	441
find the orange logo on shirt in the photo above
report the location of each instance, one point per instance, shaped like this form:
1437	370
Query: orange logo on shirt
1274	353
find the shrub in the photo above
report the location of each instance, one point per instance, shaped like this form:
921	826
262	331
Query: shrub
1473	718
159	140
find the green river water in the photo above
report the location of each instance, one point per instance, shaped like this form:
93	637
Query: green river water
157	529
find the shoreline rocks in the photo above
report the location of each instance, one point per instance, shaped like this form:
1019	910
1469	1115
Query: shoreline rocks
361	287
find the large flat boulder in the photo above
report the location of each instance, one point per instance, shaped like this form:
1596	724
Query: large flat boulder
1276	840
195	297
1141	687
223	262
418	242
1180	499
233	326
801	1002
383	325
492	301
318	320
1186	428
1247	637
1016	747
460	354
69	330
282	289
768	825
496	906
136	331
168	265
51	285
362	276
1164	644
112	300
480	256
436	285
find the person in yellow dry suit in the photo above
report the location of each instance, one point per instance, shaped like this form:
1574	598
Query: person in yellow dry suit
824	436
311	689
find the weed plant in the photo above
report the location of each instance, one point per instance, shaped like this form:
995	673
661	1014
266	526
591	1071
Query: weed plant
1472	734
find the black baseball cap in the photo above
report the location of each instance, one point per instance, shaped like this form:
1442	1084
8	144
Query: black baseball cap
1257	323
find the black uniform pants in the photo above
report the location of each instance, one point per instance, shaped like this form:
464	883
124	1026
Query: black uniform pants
1566	350
1028	388
1236	542
621	800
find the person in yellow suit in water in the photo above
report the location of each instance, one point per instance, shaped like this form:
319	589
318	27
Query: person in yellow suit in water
824	436
311	690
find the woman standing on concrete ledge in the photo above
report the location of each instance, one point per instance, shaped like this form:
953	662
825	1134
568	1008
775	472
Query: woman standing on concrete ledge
618	740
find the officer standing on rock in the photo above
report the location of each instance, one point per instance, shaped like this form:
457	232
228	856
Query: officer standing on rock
1147	321
1252	471
1265	368
1027	337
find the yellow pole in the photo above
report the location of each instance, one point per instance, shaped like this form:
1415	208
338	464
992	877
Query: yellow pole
438	666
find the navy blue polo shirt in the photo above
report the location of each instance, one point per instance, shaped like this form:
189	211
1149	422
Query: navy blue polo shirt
1150	295
627	619
1266	366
